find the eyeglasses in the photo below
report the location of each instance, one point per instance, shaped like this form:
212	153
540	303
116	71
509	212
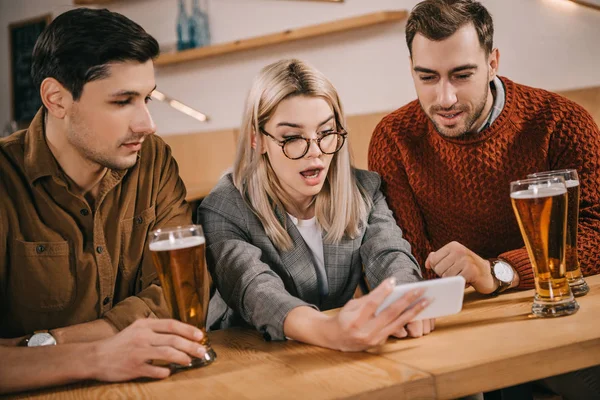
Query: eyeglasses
295	148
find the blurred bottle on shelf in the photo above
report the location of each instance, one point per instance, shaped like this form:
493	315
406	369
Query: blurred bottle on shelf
198	25
183	28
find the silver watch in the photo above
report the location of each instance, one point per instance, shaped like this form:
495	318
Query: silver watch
504	273
41	338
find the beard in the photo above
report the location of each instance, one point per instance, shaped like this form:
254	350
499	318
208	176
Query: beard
470	120
86	142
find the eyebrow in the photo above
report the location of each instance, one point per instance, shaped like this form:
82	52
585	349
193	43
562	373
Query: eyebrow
129	93
292	125
452	71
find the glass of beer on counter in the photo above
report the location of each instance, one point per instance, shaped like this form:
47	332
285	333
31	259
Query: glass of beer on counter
178	255
578	285
540	205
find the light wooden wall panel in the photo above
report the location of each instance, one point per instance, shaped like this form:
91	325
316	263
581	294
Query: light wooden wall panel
204	156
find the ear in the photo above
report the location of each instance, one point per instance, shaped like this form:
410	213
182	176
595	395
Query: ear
254	142
55	97
493	62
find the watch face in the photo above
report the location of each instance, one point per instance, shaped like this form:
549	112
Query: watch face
503	272
41	339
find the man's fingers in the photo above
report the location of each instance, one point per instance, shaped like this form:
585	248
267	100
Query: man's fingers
179	343
469	275
455	269
445	264
175	327
169	354
427	262
436	256
152	371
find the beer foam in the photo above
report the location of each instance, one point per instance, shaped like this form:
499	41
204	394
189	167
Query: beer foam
176	244
534	192
572	183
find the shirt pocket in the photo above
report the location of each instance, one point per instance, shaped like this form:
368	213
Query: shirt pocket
41	276
134	240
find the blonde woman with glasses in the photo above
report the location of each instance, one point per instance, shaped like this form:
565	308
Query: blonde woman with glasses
291	229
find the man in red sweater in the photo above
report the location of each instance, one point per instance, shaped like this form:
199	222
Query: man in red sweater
447	159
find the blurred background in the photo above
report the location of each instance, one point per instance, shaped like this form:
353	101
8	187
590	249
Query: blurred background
552	44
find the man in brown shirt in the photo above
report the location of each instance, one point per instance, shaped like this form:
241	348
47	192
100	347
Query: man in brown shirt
81	189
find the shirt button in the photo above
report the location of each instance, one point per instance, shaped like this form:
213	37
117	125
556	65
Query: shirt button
99	249
139	220
84	212
40	249
106	300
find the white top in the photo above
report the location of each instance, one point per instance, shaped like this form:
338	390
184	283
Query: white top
312	234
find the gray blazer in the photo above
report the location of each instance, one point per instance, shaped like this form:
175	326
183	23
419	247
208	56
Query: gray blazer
259	285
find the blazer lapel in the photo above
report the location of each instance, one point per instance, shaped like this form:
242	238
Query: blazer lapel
299	263
338	261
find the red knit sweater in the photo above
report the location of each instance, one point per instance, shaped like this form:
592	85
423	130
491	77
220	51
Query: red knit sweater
443	190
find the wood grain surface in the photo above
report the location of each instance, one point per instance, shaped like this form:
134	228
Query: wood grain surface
496	342
247	367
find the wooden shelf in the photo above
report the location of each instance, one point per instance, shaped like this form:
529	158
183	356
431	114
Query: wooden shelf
93	2
290	35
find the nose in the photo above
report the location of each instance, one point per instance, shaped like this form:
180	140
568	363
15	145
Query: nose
142	122
446	96
313	149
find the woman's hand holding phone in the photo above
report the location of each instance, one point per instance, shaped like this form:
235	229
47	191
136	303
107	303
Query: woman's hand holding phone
357	327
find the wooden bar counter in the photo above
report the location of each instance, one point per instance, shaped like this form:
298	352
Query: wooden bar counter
496	342
492	343
247	367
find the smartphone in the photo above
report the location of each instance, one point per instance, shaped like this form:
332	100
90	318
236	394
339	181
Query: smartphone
446	296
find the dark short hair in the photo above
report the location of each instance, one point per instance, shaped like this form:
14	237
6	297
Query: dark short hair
78	45
440	19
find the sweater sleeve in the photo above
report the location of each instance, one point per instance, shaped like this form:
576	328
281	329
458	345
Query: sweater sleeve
576	144
519	259
386	160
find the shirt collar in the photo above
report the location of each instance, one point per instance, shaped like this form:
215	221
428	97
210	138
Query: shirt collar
497	87
39	160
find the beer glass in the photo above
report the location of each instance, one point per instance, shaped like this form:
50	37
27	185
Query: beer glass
540	205
178	255
578	285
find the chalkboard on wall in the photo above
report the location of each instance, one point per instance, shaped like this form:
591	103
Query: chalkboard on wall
25	97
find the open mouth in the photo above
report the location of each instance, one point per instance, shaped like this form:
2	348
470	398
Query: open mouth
313	176
311	173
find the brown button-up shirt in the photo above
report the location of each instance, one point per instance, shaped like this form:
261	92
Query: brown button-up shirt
64	263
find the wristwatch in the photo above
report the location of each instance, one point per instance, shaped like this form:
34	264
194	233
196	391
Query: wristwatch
40	338
504	273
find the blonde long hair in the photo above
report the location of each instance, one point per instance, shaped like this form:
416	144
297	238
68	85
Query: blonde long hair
340	206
